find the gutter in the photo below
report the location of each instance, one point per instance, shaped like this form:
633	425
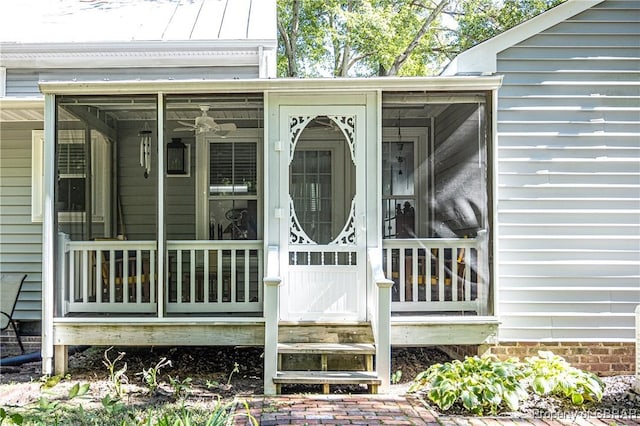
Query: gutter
157	54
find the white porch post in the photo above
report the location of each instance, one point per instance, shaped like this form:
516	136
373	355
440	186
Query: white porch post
383	343
48	234
161	232
271	316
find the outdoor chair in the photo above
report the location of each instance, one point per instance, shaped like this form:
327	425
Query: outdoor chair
10	286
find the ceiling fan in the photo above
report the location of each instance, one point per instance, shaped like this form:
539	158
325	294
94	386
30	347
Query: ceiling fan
206	124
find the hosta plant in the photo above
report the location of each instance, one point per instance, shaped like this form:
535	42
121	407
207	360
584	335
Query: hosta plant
550	374
482	385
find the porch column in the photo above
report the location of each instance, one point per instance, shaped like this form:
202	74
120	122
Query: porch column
383	342
271	317
161	232
48	234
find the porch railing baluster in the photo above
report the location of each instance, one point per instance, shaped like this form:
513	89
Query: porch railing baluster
125	276
138	276
85	276
205	279
247	276
414	274
112	276
192	276
234	277
152	276
219	283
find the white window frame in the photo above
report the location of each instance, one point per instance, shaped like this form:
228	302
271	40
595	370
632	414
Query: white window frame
203	197
100	179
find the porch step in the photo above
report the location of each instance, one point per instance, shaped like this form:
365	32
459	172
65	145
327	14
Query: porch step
327	348
327	378
314	332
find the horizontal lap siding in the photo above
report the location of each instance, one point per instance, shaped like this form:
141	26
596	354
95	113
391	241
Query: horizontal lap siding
20	239
569	179
24	82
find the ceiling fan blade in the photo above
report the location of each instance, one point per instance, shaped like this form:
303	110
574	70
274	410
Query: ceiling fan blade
184	129
227	127
187	124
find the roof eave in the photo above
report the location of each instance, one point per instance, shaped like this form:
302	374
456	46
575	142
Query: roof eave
455	83
134	54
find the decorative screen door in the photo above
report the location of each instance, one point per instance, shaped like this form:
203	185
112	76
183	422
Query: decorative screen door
324	199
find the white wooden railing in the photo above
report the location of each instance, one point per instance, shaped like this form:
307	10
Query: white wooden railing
436	275
109	276
117	276
214	276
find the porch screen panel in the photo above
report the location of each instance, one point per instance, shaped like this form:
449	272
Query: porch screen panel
106	203
435	202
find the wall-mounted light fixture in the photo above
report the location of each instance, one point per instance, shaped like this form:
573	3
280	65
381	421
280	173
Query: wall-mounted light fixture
177	162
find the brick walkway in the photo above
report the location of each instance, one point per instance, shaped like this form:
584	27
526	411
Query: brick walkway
394	410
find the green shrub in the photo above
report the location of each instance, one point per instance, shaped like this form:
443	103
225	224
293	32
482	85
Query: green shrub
481	385
550	374
488	385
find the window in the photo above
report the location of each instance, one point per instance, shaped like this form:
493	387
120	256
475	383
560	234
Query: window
233	190
72	178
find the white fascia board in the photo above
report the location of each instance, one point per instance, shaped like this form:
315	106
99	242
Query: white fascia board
22	103
133	54
482	59
291	85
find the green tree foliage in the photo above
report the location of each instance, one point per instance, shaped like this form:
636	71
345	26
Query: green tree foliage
388	37
358	37
479	20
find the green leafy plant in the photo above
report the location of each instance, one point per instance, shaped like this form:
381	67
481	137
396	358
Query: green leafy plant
481	384
112	405
181	388
45	405
550	374
117	376
78	390
235	369
395	377
150	375
14	418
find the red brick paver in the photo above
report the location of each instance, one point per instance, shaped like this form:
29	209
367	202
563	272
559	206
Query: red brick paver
398	410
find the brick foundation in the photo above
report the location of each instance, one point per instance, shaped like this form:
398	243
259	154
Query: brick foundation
603	359
9	344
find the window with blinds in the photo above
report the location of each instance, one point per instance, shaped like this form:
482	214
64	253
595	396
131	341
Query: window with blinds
71	177
233	190
233	168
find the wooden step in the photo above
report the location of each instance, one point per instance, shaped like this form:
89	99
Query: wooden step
327	348
312	332
327	378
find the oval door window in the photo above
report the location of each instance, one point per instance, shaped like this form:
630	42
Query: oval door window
322	181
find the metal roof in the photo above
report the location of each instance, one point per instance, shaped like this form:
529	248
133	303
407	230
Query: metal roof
73	21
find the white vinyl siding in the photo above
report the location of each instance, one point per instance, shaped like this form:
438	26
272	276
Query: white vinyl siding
20	238
569	179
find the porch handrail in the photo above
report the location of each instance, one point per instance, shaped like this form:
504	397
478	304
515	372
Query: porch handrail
437	274
92	279
272	281
381	316
214	276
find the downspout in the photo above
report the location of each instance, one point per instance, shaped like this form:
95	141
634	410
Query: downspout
48	234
